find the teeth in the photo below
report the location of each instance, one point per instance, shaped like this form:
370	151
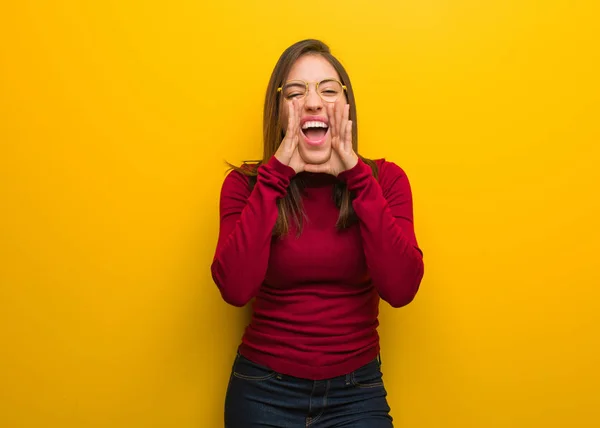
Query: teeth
314	124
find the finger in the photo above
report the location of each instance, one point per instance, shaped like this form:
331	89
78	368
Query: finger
341	128
298	120
296	159
348	137
295	135
331	114
344	125
293	120
339	115
290	124
299	108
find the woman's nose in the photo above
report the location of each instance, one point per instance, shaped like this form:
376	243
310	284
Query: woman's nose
313	101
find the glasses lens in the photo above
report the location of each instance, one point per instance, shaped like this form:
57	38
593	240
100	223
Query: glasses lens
294	89
330	90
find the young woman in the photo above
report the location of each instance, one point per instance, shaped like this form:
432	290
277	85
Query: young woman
316	235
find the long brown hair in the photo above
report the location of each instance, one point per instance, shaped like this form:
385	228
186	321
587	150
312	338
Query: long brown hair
290	206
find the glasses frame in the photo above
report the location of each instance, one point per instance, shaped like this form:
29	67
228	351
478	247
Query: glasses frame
307	84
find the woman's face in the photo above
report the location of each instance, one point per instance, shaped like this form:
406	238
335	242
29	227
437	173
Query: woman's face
315	136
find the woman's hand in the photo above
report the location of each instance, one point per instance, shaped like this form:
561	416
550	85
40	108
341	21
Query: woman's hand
287	153
342	154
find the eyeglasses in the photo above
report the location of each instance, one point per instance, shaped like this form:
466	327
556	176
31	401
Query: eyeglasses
329	89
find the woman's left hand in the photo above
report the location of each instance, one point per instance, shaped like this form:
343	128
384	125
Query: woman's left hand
342	154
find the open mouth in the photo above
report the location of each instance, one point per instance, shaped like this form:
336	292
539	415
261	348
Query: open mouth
315	132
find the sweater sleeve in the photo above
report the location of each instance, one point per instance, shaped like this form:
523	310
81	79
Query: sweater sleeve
247	219
385	212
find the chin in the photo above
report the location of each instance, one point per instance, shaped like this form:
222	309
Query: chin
315	156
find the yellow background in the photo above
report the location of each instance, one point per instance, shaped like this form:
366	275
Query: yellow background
116	118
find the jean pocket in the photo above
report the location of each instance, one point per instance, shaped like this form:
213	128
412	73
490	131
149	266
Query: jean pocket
368	376
249	370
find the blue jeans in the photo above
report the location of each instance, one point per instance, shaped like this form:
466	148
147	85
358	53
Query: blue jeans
260	397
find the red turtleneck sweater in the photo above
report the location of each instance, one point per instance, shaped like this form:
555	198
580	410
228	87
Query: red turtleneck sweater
316	295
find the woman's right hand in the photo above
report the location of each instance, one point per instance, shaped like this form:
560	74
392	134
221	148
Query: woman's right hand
287	153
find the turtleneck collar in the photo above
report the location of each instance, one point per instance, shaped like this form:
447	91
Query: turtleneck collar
312	179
